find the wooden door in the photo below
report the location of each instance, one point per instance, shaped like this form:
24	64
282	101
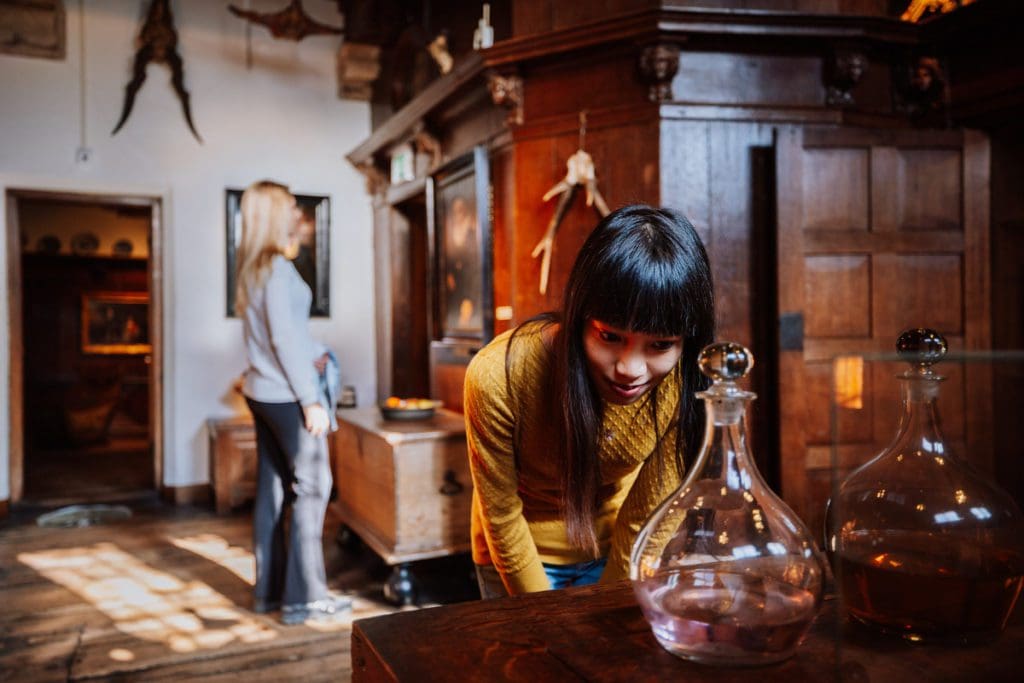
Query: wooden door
878	231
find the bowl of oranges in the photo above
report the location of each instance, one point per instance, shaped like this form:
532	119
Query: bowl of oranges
395	408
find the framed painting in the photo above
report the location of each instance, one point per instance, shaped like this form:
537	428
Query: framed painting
311	257
115	323
462	250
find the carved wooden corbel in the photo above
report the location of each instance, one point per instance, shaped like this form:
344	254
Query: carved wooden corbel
358	66
376	182
922	92
659	64
427	143
844	69
507	92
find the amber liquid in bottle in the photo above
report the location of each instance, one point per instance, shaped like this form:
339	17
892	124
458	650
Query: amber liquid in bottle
918	596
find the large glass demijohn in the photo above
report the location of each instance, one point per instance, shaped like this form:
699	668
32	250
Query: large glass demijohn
724	571
923	545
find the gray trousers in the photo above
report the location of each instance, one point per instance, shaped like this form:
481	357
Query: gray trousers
294	474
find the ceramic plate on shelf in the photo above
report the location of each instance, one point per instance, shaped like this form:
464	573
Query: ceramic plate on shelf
84	243
123	247
408	408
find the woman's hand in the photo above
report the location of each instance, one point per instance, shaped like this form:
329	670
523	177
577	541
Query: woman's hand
321	364
317	420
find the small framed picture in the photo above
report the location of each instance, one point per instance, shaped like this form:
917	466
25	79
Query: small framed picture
312	259
115	323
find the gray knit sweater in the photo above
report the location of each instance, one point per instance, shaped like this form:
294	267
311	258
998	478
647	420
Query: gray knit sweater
277	341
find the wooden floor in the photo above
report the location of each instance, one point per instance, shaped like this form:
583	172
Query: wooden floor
165	596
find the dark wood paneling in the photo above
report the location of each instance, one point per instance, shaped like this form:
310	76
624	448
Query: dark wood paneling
587	81
838	296
1008	303
860	294
685	178
917	290
838	182
731	224
765	80
503	221
409	299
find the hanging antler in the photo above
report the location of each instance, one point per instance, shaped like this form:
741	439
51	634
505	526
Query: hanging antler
580	172
157	42
291	23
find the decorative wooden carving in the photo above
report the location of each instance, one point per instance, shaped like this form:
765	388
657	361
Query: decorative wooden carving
291	23
844	69
32	29
427	144
358	68
922	93
376	181
658	65
507	91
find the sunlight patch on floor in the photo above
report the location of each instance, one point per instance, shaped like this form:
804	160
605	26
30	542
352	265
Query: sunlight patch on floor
236	560
147	603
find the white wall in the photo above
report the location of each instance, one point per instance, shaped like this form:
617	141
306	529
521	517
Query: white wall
280	119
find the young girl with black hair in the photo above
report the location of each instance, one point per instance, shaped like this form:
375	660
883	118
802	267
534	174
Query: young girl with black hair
580	423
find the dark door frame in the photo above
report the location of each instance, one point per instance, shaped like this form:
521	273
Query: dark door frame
16	436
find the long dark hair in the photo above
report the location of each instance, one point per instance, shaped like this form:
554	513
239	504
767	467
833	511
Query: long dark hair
645	270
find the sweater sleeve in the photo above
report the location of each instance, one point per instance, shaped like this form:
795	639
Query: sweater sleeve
289	336
490	422
656	481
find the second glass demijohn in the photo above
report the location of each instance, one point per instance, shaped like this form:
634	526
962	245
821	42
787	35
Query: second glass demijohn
723	570
924	545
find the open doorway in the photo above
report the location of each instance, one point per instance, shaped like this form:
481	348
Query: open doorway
84	292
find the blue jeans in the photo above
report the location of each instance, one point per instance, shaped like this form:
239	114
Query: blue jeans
579	574
560	576
293	472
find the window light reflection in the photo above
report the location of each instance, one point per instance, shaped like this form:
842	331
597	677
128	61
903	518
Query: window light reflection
143	602
848	375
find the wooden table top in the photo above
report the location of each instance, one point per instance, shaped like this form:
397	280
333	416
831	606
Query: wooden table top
443	423
597	633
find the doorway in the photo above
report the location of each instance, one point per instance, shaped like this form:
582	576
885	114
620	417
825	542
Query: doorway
84	301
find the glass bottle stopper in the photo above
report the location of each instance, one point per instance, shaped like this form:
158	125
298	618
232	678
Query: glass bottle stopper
922	347
724	363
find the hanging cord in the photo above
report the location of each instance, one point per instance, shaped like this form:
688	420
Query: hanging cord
82	134
583	127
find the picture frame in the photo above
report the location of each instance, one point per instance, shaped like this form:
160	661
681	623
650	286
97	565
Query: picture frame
115	323
462	248
314	257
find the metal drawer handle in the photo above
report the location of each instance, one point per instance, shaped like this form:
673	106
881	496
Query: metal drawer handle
451	485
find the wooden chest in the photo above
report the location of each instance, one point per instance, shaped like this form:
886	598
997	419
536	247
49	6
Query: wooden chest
232	461
403	486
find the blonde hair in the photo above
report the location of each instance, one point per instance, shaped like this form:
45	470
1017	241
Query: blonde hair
267	220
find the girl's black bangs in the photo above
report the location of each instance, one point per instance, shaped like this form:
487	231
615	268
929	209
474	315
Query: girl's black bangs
645	297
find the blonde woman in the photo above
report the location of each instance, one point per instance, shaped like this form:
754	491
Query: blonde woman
283	392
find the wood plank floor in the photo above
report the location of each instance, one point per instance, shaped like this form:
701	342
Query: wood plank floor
165	596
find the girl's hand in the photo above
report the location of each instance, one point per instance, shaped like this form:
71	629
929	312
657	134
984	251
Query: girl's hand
317	420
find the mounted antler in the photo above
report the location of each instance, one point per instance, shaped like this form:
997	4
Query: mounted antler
157	42
291	23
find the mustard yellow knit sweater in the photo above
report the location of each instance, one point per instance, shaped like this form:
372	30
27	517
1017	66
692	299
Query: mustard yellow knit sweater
516	524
